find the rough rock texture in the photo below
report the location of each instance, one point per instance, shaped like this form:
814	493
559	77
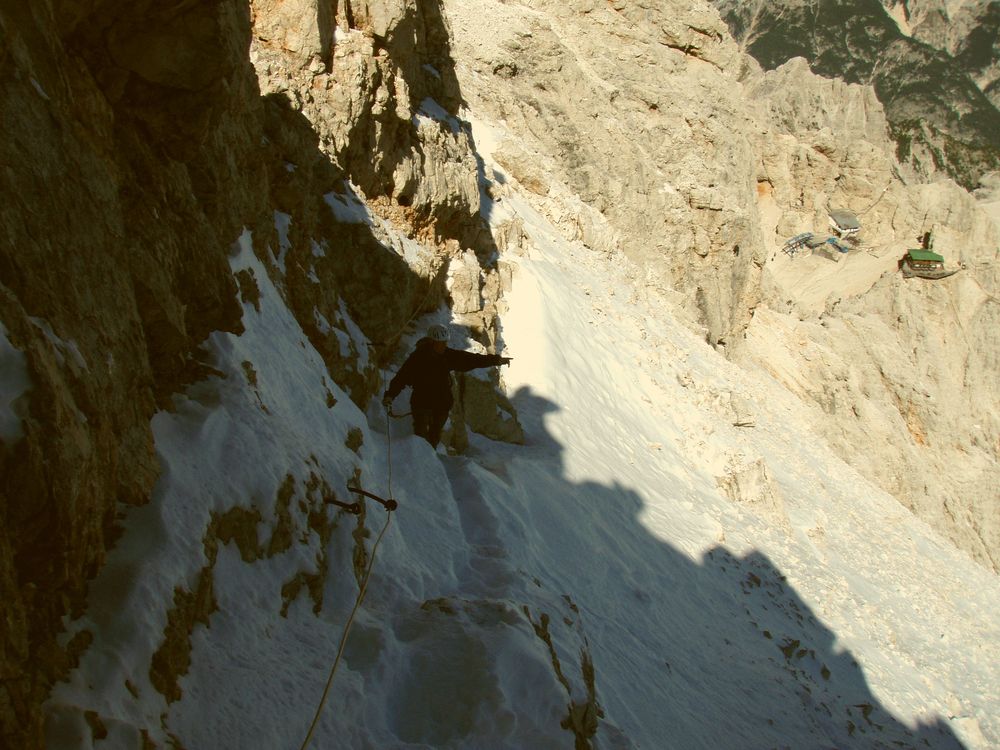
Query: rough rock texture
376	83
112	270
141	139
138	144
902	371
671	148
968	30
940	119
751	486
637	147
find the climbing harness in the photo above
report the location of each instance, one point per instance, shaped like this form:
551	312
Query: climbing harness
390	505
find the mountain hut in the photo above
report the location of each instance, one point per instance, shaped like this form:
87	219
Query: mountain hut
925	264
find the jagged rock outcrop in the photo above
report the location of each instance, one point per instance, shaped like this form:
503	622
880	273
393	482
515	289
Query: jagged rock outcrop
940	120
627	161
139	144
824	146
639	147
897	368
384	71
141	140
968	31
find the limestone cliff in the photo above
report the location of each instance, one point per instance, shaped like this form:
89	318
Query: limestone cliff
968	31
899	369
939	117
671	148
138	144
639	147
131	155
142	140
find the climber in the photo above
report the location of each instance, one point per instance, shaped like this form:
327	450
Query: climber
428	370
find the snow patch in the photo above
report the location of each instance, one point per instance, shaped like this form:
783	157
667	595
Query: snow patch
282	223
322	324
223	447
38	87
62	349
430	110
348	208
355	334
15	382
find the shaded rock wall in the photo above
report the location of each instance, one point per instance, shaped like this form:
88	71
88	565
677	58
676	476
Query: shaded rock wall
112	270
383	99
139	143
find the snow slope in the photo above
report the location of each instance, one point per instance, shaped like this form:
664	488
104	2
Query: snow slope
641	573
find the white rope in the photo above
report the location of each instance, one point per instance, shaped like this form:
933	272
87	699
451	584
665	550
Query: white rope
357	604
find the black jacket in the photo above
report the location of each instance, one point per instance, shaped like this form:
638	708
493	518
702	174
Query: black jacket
429	373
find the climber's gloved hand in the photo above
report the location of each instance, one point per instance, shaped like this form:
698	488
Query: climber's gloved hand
387	402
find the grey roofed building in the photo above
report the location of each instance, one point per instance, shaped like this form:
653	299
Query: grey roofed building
844	221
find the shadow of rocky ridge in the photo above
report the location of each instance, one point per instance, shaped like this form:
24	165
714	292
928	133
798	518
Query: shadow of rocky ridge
745	662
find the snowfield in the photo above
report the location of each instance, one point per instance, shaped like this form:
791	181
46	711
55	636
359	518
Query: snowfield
642	573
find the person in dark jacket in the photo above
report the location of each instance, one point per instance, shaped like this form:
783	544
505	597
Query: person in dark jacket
428	371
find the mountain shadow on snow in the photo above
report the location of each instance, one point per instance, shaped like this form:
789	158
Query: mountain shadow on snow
744	661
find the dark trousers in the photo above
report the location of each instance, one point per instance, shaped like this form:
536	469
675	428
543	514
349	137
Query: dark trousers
428	423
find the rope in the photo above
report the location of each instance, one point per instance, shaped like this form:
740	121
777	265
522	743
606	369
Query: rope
388	436
388	450
357	604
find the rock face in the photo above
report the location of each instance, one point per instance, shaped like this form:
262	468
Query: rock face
897	368
940	119
968	31
139	142
638	147
671	149
112	271
142	139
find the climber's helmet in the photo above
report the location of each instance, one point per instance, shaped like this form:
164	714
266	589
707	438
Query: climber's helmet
438	333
